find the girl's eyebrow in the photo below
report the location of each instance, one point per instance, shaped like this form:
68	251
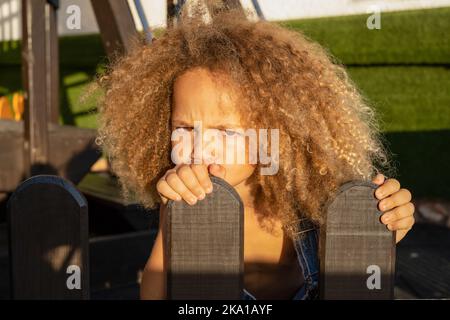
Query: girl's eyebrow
182	123
226	127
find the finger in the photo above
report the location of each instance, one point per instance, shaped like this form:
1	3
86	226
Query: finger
379	179
201	172
403	224
389	187
189	179
398	213
166	192
217	170
400	234
178	186
170	171
399	198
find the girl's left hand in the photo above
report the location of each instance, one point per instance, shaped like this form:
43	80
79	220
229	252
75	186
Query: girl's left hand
398	211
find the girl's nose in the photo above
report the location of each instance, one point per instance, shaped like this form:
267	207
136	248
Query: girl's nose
206	148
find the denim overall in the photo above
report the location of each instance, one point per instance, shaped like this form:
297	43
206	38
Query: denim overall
306	248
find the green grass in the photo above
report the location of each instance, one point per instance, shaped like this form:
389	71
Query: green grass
408	37
407	98
77	111
402	69
422	159
74	52
81	57
10	80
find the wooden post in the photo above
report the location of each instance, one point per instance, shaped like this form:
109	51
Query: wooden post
236	5
52	60
26	146
258	9
215	7
357	252
203	246
48	232
116	25
144	21
171	11
35	83
232	4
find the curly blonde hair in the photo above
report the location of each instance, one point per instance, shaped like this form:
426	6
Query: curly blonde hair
328	133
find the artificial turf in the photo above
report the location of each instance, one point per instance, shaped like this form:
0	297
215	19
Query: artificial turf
403	69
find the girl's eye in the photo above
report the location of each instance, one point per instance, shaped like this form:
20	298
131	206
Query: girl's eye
183	129
230	132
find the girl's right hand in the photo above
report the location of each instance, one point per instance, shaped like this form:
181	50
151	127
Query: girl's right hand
188	182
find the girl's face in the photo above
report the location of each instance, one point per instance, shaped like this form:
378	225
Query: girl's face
199	100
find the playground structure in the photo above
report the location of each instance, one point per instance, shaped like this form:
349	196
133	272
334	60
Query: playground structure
33	142
204	244
39	144
51	210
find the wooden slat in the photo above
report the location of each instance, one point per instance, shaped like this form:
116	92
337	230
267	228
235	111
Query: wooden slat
72	153
235	5
52	63
111	276
104	187
258	9
352	242
423	261
174	11
131	251
104	192
5	291
34	82
144	21
11	156
171	11
215	7
48	230
203	246
116	25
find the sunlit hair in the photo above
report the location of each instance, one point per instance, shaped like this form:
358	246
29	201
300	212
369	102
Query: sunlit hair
328	134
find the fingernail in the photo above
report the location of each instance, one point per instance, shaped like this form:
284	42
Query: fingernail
201	197
386	218
192	200
177	198
209	189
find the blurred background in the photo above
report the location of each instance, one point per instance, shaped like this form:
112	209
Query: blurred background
397	53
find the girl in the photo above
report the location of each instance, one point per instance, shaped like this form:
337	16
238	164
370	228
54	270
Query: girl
230	73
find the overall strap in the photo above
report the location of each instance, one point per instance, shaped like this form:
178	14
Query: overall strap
306	246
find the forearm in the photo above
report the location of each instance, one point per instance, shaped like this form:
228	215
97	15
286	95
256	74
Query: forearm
153	283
